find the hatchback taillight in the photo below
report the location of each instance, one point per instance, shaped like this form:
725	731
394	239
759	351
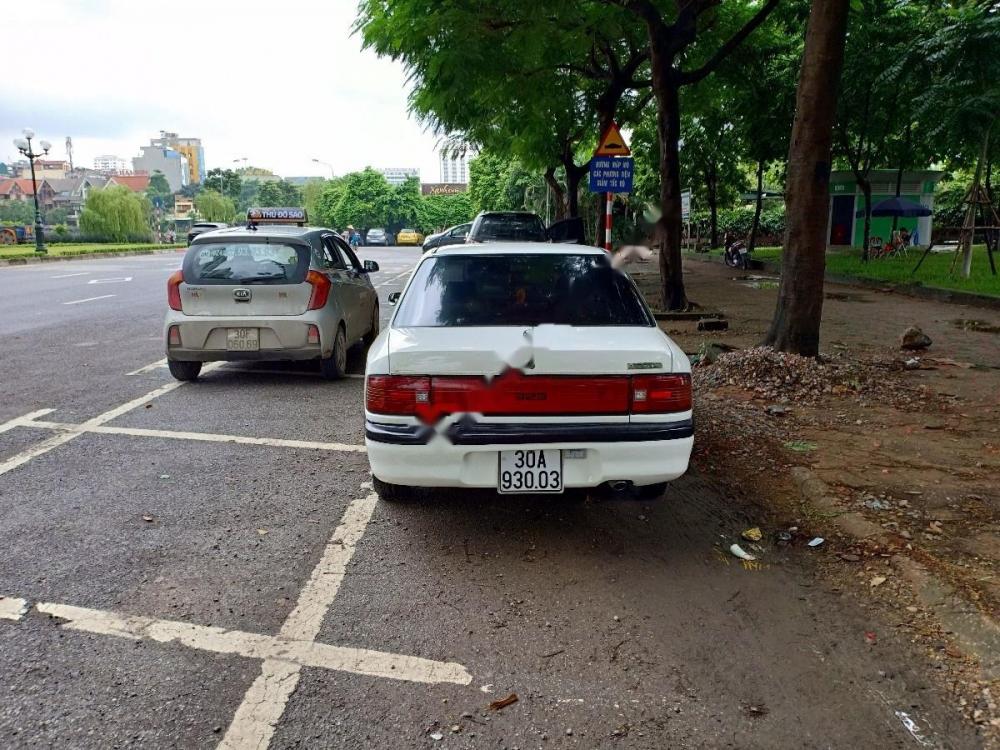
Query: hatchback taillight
660	394
174	290
321	289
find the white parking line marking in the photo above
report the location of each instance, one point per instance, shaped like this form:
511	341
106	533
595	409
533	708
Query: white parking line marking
19	421
56	440
264	703
150	367
207	437
255	645
89	299
113	280
70	275
12	608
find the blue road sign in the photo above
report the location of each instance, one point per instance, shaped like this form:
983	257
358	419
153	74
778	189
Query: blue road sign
611	174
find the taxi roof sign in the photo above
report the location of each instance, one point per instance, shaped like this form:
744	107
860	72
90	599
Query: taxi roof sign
295	216
612	143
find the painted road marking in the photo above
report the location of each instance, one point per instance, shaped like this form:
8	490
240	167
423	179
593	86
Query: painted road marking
300	653
264	703
56	440
70	275
113	280
207	437
89	299
12	608
150	367
19	421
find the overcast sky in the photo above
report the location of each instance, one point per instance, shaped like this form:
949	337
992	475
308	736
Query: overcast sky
280	83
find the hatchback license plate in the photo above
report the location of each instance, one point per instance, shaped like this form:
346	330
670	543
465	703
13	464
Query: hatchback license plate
243	339
532	471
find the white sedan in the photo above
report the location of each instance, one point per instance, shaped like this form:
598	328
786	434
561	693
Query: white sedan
525	368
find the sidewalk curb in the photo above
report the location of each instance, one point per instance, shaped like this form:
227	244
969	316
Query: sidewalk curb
29	260
973	631
936	294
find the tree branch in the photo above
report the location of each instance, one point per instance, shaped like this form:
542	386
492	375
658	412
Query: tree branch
731	44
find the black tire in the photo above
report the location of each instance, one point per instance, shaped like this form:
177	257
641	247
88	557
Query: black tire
393	493
374	327
184	370
731	260
651	491
334	367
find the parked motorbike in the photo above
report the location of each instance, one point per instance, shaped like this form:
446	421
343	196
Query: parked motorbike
737	254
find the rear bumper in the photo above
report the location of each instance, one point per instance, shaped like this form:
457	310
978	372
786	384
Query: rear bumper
203	339
418	456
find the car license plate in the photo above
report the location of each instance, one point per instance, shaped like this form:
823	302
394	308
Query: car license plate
243	339
530	471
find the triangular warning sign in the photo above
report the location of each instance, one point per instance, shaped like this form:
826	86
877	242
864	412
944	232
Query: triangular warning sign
612	143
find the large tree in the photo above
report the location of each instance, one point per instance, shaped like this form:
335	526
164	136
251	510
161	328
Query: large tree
796	322
213	206
225	181
674	29
116	214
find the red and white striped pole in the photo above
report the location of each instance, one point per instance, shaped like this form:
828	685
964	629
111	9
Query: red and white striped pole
609	200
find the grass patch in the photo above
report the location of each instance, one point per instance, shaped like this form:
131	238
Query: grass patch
935	271
69	249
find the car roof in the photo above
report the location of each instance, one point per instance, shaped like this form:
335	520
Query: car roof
517	248
275	231
509	213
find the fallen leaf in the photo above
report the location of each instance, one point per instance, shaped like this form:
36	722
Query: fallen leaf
503	702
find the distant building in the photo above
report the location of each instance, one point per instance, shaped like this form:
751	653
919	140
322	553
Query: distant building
399	175
257	174
71	193
195	154
112	164
21	189
846	228
45	168
183	208
455	164
137	183
158	156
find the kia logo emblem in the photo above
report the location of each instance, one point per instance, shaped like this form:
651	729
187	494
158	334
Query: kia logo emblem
241	295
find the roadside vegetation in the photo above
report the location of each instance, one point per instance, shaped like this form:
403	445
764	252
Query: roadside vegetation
8	252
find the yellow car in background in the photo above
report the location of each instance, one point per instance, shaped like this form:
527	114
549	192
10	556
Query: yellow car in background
409	237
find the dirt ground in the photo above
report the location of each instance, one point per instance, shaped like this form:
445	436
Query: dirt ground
915	451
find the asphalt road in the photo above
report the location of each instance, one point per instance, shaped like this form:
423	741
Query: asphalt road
189	565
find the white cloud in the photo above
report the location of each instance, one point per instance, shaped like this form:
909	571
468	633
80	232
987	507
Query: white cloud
279	83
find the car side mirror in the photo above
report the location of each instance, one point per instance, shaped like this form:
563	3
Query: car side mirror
394	297
370	266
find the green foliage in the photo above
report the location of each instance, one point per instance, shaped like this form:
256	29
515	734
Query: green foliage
116	214
402	205
498	183
17	212
365	200
159	192
311	192
213	206
56	216
278	193
739	220
324	211
224	181
61	231
441	211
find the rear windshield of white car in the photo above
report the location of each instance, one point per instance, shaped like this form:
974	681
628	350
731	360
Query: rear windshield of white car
520	290
246	263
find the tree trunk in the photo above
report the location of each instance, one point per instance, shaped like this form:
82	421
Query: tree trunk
712	190
866	191
558	194
758	205
573	175
797	317
668	129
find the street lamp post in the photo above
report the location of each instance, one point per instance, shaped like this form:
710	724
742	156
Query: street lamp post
24	146
328	166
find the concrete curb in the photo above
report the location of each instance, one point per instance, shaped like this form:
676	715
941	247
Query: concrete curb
974	632
936	294
29	260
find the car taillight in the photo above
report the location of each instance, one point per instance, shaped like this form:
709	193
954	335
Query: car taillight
174	336
660	394
312	335
516	394
174	290
321	289
396	394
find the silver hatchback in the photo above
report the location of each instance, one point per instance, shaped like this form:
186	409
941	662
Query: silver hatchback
269	293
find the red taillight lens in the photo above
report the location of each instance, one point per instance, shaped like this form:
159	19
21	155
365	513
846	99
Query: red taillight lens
397	394
660	394
312	335
321	289
174	290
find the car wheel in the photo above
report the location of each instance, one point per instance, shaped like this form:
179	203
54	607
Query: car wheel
334	367
393	493
651	491
184	370
373	327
